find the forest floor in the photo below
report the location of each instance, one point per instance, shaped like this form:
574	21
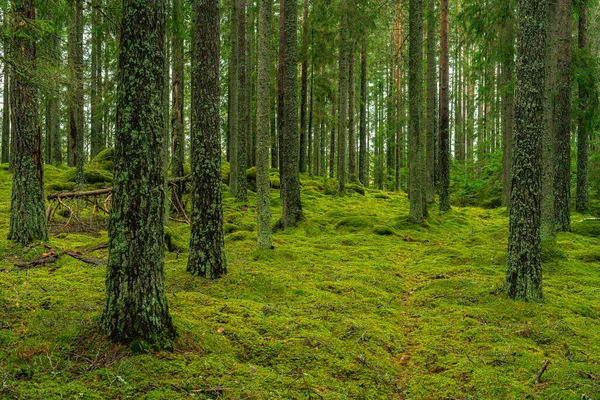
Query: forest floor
355	303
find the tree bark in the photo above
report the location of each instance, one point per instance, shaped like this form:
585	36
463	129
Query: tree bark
444	110
431	92
97	140
243	101
234	100
263	114
562	181
177	96
586	84
304	89
352	171
207	244
5	151
76	121
27	206
343	100
136	305
524	265
508	99
363	151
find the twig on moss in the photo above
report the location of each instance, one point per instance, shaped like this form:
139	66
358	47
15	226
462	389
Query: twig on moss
541	372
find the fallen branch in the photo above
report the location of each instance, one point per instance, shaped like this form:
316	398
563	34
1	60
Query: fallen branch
98	247
541	372
588	375
53	255
96	262
73	195
43	259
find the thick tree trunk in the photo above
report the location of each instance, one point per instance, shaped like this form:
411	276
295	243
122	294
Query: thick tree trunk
524	265
290	154
207	244
76	121
27	206
136	305
562	182
431	92
363	171
585	86
234	99
444	110
263	114
177	96
548	225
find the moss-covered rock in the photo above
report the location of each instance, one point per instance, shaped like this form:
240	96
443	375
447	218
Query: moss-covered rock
91	176
105	160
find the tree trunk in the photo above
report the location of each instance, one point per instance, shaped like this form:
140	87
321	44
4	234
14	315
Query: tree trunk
76	136
5	151
98	141
177	96
431	92
444	110
562	182
586	84
136	304
234	99
332	141
352	172
263	114
27	206
304	89
508	65
207	243
363	171
343	100
290	154
548	225
243	102
524	265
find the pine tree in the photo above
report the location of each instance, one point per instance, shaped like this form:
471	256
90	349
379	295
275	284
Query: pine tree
233	115
136	305
363	158
5	151
263	111
27	206
207	244
343	100
524	265
431	103
289	145
444	109
97	139
304	90
241	194
508	63
177	134
76	119
352	171
586	85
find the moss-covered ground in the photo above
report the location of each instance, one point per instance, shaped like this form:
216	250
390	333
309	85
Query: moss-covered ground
355	303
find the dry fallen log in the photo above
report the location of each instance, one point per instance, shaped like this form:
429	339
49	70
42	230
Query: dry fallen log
96	262
43	259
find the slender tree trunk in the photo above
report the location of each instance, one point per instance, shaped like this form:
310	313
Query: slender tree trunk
363	151
234	102
292	208
431	92
177	96
97	139
251	137
524	265
263	111
585	85
444	110
27	206
5	152
243	102
136	304
508	65
548	225
274	145
304	89
332	141
76	133
207	244
562	182
343	100
352	170
53	136
310	120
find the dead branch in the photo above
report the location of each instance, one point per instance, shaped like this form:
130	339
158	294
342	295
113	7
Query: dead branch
93	261
43	259
98	247
73	195
541	372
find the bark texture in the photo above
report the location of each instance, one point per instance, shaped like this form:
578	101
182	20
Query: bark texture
343	102
524	265
444	109
207	242
177	133
136	305
233	117
76	155
363	165
582	203
431	103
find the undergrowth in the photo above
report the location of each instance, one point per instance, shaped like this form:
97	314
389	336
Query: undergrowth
355	303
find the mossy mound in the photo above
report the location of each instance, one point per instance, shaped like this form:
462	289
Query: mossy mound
383	230
105	160
91	176
589	228
354	222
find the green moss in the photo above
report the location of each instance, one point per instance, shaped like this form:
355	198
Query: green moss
383	230
91	176
355	222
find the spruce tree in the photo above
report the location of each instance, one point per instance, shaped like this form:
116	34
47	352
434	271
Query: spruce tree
207	249
136	304
27	206
444	108
586	85
177	134
243	103
524	265
363	158
343	100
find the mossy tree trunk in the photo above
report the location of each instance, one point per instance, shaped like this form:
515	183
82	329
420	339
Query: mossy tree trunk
136	305
233	117
431	92
53	136
207	244
290	152
76	93
263	111
363	169
27	206
5	150
97	139
444	109
524	265
332	141
586	85
343	100
352	171
562	180
548	225
304	90
243	103
177	133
